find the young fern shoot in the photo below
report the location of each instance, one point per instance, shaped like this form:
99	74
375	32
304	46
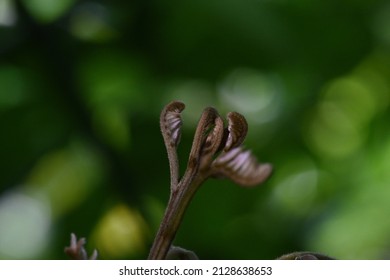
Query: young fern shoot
216	152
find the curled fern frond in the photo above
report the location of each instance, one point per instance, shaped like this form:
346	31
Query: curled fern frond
207	138
171	122
241	167
237	130
216	151
170	125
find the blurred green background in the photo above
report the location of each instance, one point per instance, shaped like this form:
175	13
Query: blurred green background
82	84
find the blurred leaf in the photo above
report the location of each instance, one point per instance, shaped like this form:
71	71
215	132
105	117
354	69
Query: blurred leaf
90	22
113	126
47	11
15	83
114	78
67	177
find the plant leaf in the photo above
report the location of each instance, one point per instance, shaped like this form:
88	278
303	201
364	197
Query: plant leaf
241	167
207	139
171	122
170	125
237	130
212	143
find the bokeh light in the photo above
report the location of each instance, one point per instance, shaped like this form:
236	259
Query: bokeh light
256	95
7	13
296	186
121	232
25	226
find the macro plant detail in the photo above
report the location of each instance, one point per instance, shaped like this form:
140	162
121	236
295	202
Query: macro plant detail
216	152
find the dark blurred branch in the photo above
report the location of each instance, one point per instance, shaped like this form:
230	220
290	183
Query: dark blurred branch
59	61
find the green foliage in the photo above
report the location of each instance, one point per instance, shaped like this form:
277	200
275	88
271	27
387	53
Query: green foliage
82	84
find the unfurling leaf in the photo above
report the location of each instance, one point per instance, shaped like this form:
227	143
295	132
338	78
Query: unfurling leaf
241	167
170	125
237	130
171	122
216	151
207	139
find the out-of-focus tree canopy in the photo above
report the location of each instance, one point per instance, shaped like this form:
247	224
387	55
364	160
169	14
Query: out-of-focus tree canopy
82	84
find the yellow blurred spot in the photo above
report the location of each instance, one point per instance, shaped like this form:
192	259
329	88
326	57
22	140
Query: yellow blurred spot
121	233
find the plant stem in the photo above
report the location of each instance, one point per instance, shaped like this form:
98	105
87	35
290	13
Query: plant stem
178	203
